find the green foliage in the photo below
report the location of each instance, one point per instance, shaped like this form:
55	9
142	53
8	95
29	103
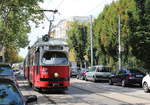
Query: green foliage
77	39
106	32
15	16
135	35
139	26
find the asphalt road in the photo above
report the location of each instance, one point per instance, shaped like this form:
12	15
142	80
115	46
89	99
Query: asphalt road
89	93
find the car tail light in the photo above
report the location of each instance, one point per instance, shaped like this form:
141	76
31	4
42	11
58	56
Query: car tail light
84	73
130	76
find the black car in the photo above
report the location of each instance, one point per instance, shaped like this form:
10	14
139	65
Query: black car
81	74
127	77
11	95
7	72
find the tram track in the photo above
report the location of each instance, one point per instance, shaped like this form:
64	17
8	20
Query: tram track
101	92
127	94
24	85
52	100
125	103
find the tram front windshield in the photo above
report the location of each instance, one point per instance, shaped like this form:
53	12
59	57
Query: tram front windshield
54	58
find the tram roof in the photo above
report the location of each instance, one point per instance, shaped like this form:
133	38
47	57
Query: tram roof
52	42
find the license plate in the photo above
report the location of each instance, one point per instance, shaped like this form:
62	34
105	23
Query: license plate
139	75
55	84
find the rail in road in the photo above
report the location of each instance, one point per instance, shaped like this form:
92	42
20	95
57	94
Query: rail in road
75	96
127	95
43	99
88	93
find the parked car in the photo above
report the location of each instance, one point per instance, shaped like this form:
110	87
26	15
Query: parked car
146	83
97	73
74	71
16	72
11	95
81	74
126	77
7	72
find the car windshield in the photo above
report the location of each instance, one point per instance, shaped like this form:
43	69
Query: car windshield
84	70
9	95
5	70
92	69
103	69
74	69
54	58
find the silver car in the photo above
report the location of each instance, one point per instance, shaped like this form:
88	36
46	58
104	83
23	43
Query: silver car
98	72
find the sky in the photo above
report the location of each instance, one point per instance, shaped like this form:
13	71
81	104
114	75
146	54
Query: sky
66	9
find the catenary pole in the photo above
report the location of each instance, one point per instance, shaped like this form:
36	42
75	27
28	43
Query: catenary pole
91	38
119	42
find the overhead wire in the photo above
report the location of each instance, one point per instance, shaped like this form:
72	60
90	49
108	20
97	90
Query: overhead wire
60	4
52	15
60	14
97	6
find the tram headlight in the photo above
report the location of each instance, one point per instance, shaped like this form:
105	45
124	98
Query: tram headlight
56	75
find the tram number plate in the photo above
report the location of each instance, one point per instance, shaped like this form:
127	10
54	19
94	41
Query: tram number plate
55	84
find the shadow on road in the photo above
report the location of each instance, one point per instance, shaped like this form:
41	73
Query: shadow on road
104	87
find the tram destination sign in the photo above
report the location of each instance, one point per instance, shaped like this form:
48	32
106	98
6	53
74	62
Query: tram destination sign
53	47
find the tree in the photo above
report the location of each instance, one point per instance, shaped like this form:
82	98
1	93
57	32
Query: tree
15	16
106	33
77	40
139	25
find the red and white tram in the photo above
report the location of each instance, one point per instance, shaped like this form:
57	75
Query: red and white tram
46	65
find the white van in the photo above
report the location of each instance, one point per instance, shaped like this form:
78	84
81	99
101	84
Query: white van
98	72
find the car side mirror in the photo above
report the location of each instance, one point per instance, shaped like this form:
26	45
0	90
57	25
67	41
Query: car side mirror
30	98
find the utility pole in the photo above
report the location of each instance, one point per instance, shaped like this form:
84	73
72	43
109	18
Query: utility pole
119	42
91	37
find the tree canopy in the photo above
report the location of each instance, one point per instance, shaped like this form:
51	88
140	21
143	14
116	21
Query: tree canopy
77	40
106	32
135	35
15	18
139	25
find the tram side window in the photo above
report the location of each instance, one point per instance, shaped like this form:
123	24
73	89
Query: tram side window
54	58
31	60
36	59
24	63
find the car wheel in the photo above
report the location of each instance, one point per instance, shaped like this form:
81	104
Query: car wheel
94	79
82	77
123	83
110	82
86	78
77	77
145	87
140	84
